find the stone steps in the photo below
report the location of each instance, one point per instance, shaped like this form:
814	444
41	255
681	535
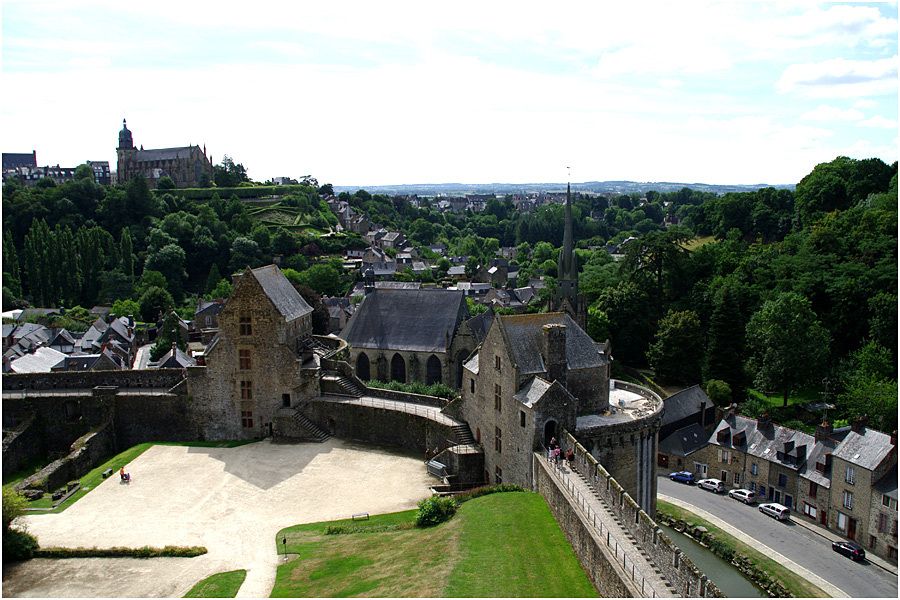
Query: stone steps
315	432
463	435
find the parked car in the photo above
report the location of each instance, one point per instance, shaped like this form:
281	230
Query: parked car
745	496
682	476
775	510
713	485
850	549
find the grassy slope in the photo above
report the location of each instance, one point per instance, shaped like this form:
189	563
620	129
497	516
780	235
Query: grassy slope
220	585
798	586
95	477
498	545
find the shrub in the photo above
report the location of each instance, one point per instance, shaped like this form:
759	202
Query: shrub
120	552
487	489
435	510
438	390
18	545
719	392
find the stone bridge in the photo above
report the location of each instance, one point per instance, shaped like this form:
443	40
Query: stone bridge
621	548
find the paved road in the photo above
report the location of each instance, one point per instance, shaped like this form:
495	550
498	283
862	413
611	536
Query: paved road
806	548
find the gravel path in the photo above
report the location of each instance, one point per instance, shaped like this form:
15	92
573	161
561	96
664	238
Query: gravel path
231	500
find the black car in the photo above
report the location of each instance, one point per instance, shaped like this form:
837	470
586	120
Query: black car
850	549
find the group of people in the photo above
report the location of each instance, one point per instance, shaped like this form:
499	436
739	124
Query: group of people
554	453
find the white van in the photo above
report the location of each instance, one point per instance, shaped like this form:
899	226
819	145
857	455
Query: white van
775	510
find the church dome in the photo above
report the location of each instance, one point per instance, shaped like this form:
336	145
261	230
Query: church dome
125	140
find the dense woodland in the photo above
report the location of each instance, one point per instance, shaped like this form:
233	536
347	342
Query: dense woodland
776	290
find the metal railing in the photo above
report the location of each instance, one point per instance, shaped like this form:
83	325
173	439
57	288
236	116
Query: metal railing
584	505
420	410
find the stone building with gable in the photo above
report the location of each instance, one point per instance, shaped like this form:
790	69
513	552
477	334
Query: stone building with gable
409	335
536	376
260	361
188	166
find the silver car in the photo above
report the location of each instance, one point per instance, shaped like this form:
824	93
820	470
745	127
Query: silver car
713	485
776	511
745	496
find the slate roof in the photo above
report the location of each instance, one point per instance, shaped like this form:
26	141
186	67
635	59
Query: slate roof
480	324
525	294
684	404
209	308
809	471
14	160
454	271
887	485
684	441
41	361
767	443
866	449
175	359
284	296
472	364
524	339
532	391
411	320
8	328
164	153
62	337
120	327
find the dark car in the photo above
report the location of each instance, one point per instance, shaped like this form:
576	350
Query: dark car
682	476
850	549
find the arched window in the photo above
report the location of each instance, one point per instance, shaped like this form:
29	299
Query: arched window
433	370
362	366
398	369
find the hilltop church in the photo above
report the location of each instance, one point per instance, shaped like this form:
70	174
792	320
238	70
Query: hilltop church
188	166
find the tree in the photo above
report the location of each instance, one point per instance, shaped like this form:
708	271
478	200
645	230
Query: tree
169	333
222	289
126	250
165	183
677	351
719	392
154	303
229	174
788	346
126	307
244	253
148	280
597	323
725	349
325	279
869	386
169	260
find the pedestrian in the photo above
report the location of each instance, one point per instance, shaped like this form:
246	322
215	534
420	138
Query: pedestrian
570	456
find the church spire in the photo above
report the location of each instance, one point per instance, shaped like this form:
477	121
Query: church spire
567	297
566	268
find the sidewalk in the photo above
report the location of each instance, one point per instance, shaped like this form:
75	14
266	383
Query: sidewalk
833	537
831	590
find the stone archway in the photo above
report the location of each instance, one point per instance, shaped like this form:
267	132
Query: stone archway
550	431
433	370
363	370
398	368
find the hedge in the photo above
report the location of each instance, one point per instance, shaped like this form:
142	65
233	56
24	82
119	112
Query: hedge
121	552
241	192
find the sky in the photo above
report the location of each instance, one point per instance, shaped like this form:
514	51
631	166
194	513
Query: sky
379	93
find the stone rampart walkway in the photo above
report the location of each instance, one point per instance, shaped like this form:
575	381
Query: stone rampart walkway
645	575
422	410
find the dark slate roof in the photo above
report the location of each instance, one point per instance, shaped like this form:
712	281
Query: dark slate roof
61	337
120	327
8	328
684	404
767	443
209	308
532	391
809	471
524	337
175	359
13	160
684	441
164	153
412	320
459	270
887	485
866	449
480	324
283	295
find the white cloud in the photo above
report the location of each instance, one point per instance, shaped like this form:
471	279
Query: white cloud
831	113
841	77
879	122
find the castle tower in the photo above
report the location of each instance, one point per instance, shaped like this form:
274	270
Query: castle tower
567	297
125	153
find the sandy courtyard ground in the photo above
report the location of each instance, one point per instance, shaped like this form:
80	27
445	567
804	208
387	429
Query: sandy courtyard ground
231	500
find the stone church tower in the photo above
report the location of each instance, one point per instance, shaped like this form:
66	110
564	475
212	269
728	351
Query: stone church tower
187	166
567	298
125	153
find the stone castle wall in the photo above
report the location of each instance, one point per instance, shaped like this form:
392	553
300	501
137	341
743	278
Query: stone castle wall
67	380
664	553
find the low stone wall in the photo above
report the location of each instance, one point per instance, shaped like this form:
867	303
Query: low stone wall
152	418
379	426
144	378
665	554
406	397
604	571
86	453
22	444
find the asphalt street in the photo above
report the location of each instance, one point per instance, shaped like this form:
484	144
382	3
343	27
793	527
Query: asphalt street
806	548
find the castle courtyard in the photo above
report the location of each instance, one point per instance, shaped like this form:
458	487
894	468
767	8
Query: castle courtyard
231	500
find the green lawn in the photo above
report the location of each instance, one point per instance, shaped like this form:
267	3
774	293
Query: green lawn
220	585
95	477
500	545
697	242
796	585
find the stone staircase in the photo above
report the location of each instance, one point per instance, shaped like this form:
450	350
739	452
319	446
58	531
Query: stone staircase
463	434
334	383
316	434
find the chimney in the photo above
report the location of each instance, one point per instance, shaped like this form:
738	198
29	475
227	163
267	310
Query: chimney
174	347
730	414
554	351
703	414
859	424
763	421
131	320
824	431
